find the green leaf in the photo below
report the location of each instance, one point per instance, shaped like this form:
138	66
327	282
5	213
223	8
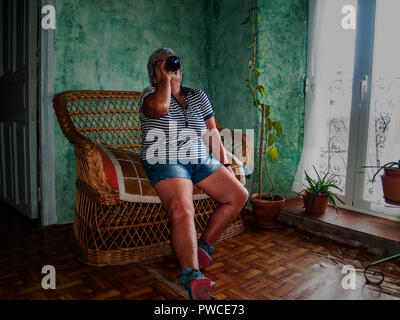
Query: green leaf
273	154
319	178
339	198
324	178
269	124
278	128
258	72
266	113
248	83
257	102
251	63
246	20
271	139
258	13
260	89
311	182
330	185
313	196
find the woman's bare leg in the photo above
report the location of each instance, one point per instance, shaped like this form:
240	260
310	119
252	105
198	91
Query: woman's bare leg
176	195
231	194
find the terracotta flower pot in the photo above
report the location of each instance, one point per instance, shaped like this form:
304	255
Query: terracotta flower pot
318	207
392	172
391	187
266	211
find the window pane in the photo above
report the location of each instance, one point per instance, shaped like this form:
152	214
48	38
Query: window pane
383	130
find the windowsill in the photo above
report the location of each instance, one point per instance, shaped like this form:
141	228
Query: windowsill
368	224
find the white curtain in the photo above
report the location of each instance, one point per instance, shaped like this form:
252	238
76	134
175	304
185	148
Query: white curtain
328	98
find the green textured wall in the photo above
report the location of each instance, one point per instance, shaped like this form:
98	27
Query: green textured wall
105	44
284	41
284	38
229	68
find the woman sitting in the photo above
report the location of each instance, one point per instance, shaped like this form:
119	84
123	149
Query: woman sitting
174	155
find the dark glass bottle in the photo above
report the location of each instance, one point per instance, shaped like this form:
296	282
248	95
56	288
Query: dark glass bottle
173	63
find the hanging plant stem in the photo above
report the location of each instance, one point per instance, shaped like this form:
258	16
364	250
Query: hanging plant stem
269	128
261	153
252	63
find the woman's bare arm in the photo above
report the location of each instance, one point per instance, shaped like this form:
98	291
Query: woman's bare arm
217	147
157	104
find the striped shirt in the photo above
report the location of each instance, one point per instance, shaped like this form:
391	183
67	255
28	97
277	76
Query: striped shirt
178	134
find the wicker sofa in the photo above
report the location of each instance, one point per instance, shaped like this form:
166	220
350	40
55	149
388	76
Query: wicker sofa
108	230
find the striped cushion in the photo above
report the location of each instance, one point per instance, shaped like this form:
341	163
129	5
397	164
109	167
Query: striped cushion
124	171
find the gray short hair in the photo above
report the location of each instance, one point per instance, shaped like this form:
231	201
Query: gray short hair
153	58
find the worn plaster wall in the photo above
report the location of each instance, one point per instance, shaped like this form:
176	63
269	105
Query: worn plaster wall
284	38
229	68
284	41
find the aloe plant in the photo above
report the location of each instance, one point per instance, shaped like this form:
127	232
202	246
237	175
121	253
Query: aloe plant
322	186
392	164
270	130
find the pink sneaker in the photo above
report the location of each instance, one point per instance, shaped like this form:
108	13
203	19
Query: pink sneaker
204	253
199	286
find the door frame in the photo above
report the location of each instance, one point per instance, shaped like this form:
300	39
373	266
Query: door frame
46	61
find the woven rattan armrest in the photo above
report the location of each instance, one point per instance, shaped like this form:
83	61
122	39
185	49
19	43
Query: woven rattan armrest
90	171
60	101
89	161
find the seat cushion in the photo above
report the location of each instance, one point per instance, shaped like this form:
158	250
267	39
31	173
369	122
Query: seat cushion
124	171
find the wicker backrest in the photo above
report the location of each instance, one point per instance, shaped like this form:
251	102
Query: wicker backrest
109	116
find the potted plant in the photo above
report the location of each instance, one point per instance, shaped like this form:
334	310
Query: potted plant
390	181
318	193
266	206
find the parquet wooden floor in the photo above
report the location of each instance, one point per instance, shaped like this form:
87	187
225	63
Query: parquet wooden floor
259	264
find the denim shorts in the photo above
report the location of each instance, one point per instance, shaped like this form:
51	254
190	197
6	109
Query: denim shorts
195	171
